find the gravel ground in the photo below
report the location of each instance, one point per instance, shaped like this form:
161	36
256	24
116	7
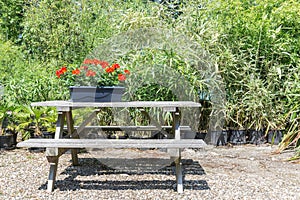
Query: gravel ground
238	172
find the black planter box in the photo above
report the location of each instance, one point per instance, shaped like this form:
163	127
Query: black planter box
96	94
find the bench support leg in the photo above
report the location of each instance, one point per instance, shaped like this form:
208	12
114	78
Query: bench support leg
70	125
179	179
74	153
54	153
53	161
178	164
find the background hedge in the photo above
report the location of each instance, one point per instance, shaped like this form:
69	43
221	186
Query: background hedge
253	45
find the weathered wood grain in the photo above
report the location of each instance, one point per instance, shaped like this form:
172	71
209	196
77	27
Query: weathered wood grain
112	143
132	128
132	104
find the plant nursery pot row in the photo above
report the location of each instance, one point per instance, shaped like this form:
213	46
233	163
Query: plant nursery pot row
239	137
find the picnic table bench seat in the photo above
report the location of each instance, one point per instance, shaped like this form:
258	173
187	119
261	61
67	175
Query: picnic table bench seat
112	143
173	147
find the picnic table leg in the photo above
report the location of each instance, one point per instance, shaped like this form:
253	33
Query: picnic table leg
178	164
179	177
176	124
53	154
70	125
53	161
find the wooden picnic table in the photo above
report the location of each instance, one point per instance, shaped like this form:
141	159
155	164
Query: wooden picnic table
59	145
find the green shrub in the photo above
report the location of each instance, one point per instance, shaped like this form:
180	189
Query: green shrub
11	17
38	83
64	30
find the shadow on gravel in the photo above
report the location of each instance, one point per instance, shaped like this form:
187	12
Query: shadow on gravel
93	167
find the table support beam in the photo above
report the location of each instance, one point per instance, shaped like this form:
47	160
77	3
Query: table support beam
70	126
176	124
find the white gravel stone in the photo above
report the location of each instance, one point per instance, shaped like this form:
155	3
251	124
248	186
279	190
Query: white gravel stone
239	172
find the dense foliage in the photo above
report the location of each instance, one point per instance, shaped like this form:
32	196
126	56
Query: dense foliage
11	17
253	45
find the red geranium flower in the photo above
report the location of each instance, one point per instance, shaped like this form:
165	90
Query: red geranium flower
104	64
109	69
115	66
121	77
86	61
90	73
94	72
127	71
57	73
96	62
76	71
84	67
61	71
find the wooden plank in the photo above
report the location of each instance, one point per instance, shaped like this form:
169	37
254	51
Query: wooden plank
132	128
132	104
112	143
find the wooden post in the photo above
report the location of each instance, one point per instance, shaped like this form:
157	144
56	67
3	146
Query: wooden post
179	177
53	161
54	153
178	164
70	125
176	124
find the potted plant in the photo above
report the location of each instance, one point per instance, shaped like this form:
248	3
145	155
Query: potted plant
256	136
275	136
217	137
96	81
35	122
237	135
7	134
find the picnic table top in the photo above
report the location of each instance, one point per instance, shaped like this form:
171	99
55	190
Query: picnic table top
134	104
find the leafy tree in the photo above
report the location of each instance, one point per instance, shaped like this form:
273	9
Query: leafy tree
11	17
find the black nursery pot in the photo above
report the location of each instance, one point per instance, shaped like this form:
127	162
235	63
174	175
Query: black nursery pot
275	136
237	136
14	136
6	141
217	138
200	135
48	135
256	137
45	135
